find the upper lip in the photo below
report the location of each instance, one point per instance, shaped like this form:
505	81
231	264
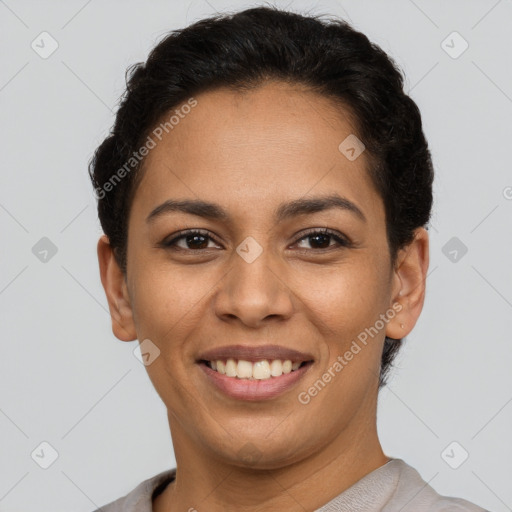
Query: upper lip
255	353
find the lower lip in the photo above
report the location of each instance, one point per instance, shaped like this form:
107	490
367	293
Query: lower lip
257	389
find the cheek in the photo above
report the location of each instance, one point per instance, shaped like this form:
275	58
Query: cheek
344	299
165	299
167	309
344	306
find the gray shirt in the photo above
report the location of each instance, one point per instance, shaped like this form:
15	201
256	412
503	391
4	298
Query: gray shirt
393	487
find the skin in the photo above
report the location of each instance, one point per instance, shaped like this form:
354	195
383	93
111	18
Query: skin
249	152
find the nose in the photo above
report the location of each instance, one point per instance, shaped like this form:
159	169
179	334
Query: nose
254	291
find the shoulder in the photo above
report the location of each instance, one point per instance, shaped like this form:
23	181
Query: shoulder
413	494
140	499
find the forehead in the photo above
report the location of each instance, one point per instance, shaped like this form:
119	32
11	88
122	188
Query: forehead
254	149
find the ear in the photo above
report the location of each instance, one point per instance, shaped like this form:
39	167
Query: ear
114	284
409	282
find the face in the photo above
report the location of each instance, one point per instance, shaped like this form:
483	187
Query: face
310	278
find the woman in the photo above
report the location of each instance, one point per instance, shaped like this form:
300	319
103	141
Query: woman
264	196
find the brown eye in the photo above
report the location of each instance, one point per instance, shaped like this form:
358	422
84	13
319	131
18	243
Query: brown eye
321	239
192	240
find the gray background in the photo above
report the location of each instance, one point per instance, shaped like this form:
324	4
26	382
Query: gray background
66	380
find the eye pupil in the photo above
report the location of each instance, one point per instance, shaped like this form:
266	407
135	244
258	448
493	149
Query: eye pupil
194	239
326	238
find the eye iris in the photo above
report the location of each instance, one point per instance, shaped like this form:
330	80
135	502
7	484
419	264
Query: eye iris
325	237
194	239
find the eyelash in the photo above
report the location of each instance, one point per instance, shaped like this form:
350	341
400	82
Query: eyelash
342	241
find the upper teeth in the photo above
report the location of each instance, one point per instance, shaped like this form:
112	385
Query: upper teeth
258	370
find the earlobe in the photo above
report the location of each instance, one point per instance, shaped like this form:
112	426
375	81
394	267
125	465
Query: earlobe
113	281
409	285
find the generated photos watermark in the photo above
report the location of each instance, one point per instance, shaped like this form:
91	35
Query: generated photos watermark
143	151
305	397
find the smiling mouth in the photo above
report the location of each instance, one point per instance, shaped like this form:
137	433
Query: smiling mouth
264	369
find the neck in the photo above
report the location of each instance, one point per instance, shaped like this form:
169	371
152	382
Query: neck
204	482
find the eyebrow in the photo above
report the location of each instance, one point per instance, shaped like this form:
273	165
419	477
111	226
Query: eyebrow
285	211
